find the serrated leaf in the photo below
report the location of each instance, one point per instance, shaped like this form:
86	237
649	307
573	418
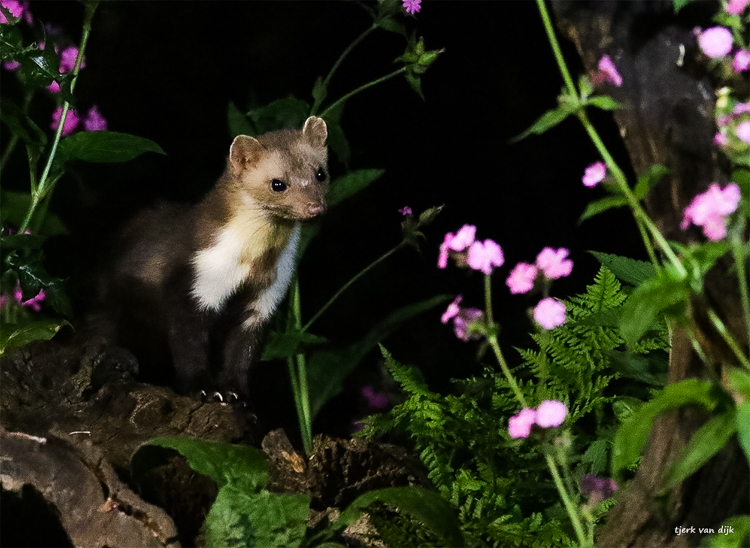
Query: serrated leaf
648	180
600	206
705	443
630	271
428	507
29	266
604	102
351	183
327	370
261	520
104	146
548	120
238	122
640	311
21	334
633	434
596	456
241	466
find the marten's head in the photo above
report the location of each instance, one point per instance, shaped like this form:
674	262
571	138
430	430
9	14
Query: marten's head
283	172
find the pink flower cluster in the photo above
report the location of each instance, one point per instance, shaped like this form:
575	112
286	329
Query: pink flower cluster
606	73
32	303
464	319
16	9
412	6
68	58
718	42
93	121
737	123
711	209
406	210
594	174
478	255
549	414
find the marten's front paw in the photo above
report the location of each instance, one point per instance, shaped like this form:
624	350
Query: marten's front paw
223	396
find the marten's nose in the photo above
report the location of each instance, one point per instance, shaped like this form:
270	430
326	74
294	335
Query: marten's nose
315	210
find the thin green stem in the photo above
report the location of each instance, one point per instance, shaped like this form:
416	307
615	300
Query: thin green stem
338	62
350	282
572	513
556	48
649	247
506	370
42	189
362	88
302	387
721	328
488	300
739	264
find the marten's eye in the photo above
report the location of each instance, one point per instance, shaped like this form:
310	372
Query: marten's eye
320	175
278	186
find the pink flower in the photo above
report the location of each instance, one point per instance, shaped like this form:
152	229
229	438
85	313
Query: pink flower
594	174
15	8
412	6
741	108
71	121
68	59
521	279
17	293
549	313
551	413
736	7
464	321
596	488
378	400
54	87
743	131
553	263
741	61
720	139
94	121
519	426
406	210
609	72
456	242
484	255
11	65
710	209
33	302
452	310
716	42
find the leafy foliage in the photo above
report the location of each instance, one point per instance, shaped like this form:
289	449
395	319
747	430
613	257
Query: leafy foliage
499	486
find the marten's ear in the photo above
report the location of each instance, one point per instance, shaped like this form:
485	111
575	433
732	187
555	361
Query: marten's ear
315	131
244	152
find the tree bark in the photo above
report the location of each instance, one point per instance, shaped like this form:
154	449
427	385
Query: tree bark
668	118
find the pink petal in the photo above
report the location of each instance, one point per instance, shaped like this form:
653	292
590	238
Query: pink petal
551	413
521	279
549	313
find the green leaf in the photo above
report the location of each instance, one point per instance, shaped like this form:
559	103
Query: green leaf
240	466
283	345
600	206
733	533
21	125
650	368
596	456
427	506
287	113
705	443
351	183
625	407
238	122
29	266
604	102
21	241
633	434
630	271
740	381
327	370
679	4
392	25
13	208
337	141
648	180
415	82
17	335
743	427
263	520
548	120
320	90
640	311
104	146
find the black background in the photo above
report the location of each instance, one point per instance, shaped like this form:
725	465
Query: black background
167	71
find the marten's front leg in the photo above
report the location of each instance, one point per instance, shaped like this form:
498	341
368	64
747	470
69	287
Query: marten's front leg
241	348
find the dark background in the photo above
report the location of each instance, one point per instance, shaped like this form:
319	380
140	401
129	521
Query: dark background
167	71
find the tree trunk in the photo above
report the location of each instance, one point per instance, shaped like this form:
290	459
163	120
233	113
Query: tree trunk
668	119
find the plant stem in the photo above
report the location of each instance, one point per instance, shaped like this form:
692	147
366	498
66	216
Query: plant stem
739	264
14	139
41	189
338	62
488	299
302	394
721	328
362	88
574	518
556	48
350	282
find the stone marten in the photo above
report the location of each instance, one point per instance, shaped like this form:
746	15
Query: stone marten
195	286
